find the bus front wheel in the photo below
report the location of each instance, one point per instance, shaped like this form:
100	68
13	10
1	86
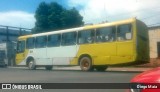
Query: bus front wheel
31	65
86	64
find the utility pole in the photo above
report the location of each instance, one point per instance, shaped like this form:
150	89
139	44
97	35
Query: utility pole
7	36
105	13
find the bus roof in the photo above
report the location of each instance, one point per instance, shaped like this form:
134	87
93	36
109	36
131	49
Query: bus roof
80	28
110	23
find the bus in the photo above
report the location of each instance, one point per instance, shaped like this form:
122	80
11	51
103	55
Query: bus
90	47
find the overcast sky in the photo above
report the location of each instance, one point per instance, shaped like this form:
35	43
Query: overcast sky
20	13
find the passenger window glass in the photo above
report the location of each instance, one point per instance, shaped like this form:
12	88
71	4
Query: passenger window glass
54	40
106	34
41	41
30	43
20	46
69	38
86	36
124	32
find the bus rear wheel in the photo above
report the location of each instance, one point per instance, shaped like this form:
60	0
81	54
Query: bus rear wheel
48	67
31	64
101	68
86	64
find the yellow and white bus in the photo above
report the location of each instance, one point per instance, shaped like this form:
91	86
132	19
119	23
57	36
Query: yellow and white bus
90	47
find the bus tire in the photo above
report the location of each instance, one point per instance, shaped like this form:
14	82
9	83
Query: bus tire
48	67
31	64
101	68
86	64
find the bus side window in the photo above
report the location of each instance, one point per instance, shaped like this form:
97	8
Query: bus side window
69	38
54	40
41	41
106	34
20	46
30	43
86	36
124	32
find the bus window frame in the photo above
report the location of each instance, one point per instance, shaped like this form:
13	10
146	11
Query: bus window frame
24	46
131	28
93	34
113	30
75	38
45	41
60	38
28	47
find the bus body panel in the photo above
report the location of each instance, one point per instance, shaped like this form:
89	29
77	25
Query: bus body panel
54	56
20	57
62	55
40	56
100	53
125	52
142	42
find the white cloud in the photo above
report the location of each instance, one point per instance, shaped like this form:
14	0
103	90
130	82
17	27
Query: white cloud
95	11
17	19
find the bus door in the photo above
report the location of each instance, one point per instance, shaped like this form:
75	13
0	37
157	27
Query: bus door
20	56
40	51
124	43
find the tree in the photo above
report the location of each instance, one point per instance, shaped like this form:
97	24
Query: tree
50	17
41	18
71	18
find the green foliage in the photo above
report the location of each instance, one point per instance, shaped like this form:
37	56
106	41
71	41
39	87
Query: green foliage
50	17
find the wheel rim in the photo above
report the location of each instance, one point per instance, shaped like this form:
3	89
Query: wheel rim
30	65
85	64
